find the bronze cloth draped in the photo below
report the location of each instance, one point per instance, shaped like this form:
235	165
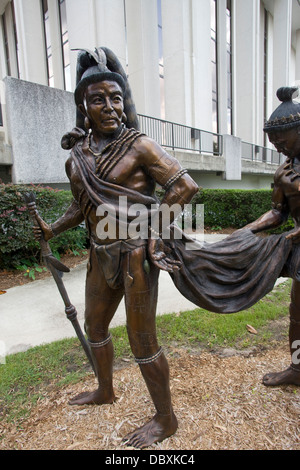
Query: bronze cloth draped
223	277
235	273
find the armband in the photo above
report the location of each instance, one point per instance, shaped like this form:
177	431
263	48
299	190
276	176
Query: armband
174	178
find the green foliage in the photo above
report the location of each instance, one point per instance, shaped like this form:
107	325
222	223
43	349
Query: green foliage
222	208
235	208
17	242
232	207
200	327
30	267
24	376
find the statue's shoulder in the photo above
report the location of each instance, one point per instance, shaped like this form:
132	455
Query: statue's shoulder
73	164
147	147
70	139
70	164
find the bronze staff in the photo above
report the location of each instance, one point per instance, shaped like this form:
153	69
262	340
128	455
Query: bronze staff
57	269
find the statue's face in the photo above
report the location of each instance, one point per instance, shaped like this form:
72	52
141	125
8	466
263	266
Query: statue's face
287	142
104	106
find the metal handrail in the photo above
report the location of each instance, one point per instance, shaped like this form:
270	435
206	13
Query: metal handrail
259	153
177	136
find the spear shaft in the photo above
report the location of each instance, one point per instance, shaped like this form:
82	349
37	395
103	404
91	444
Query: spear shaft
57	269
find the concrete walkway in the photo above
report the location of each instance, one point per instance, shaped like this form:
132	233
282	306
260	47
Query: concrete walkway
33	314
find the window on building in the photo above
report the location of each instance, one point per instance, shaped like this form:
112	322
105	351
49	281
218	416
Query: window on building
229	67
65	44
1	118
126	42
15	37
6	47
265	78
48	46
213	27
161	59
11	49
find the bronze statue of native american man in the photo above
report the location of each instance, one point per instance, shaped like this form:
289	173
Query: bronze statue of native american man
110	160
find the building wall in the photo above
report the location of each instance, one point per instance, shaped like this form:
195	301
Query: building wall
38	118
130	29
170	68
216	181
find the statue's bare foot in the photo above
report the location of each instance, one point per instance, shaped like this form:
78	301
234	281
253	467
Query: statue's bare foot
286	377
98	397
156	430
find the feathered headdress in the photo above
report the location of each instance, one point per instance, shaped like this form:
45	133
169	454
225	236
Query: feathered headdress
103	64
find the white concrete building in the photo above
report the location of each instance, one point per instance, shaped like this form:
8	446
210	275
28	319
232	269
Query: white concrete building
212	67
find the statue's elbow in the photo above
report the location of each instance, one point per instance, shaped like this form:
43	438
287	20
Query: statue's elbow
191	187
195	188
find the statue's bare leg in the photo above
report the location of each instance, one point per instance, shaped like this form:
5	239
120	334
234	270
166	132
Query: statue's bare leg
103	360
141	300
290	376
101	304
164	422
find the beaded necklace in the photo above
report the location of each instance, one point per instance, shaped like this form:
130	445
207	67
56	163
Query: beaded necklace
99	154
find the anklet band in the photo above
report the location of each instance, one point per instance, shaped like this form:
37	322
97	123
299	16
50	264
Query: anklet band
101	343
147	360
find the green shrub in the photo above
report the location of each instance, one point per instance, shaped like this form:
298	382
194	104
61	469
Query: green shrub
223	208
17	242
235	207
232	207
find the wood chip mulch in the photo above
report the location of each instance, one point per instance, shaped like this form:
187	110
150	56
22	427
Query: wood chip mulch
219	401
